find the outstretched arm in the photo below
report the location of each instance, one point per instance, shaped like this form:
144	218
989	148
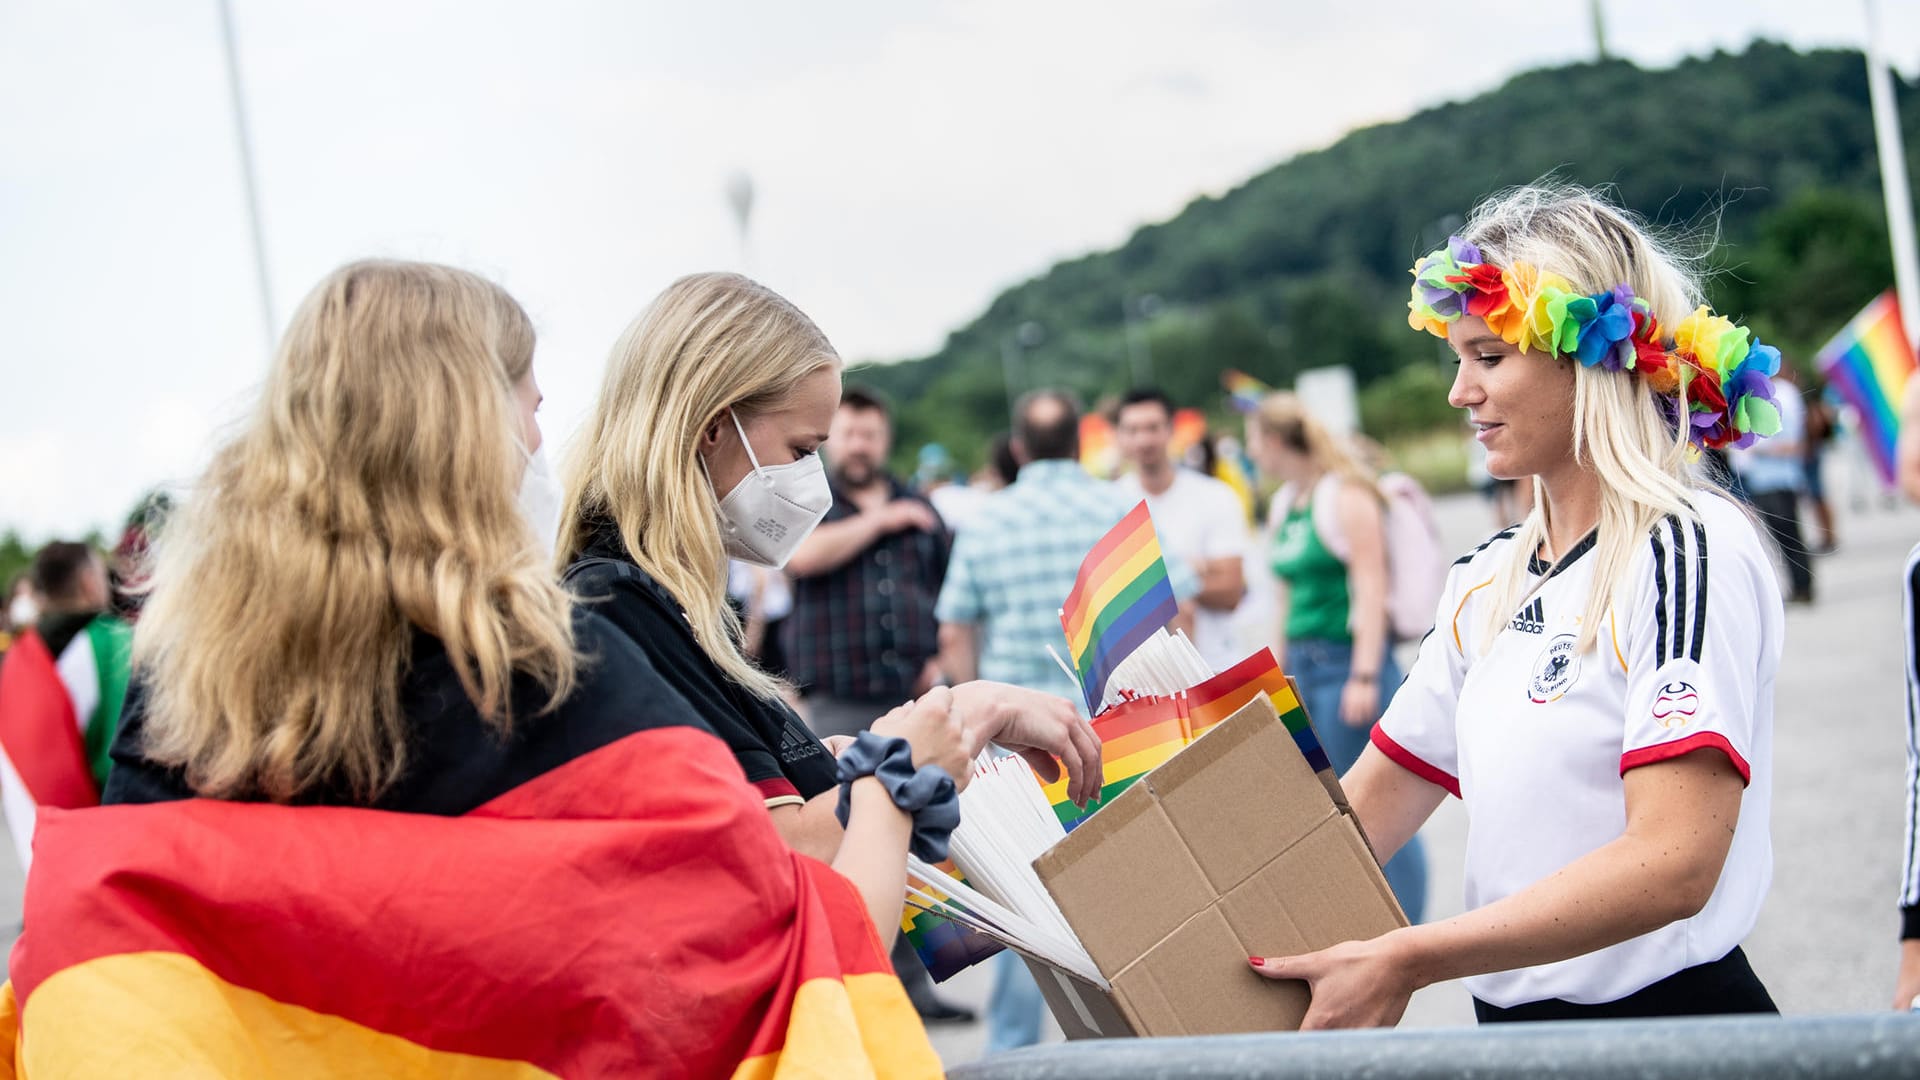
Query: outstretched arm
1680	819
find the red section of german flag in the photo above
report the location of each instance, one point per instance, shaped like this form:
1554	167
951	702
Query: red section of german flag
632	912
38	730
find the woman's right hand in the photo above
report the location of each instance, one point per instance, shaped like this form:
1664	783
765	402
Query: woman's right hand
933	728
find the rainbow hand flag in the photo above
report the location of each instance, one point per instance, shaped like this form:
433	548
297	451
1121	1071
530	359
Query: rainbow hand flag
1243	390
1868	364
1121	596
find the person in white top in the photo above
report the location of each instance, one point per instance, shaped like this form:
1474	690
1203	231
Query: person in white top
1199	519
1599	684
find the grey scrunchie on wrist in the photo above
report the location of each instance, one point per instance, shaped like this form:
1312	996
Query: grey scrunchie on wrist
928	793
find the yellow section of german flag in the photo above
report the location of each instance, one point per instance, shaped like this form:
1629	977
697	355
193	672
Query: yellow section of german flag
163	1014
828	1015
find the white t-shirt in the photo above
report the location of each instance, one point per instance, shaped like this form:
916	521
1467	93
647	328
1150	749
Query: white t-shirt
1537	740
1199	519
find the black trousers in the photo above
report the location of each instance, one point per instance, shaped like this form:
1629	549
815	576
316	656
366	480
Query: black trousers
1727	985
1780	511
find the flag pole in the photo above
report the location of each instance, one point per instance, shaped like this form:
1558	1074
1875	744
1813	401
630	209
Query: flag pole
1893	178
269	325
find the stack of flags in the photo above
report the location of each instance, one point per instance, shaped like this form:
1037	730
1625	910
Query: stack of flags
944	946
1868	364
1139	734
1120	601
1119	606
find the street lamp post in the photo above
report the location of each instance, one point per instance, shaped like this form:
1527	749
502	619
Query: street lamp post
1135	313
1013	350
739	190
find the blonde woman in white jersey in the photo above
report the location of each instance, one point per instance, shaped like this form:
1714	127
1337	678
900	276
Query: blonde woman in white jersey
1599	684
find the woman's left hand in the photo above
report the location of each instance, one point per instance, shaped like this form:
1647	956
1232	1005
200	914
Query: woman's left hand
1360	703
837	744
1039	727
1355	984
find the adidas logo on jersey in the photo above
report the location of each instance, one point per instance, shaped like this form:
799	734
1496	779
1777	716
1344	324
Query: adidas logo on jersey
1532	618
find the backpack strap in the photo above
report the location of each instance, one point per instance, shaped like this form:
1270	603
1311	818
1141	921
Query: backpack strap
1326	517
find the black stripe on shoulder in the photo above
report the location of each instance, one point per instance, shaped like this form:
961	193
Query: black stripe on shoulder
1680	593
1503	534
1659	599
1700	593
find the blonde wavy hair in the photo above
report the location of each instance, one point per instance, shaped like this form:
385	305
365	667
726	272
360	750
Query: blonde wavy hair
1283	416
370	496
709	343
1621	428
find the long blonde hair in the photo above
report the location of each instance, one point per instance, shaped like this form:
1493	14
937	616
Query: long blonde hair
371	495
709	343
1284	417
1621	428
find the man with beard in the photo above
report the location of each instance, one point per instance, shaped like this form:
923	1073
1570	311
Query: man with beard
862	637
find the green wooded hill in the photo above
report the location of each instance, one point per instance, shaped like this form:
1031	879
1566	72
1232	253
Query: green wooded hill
1305	265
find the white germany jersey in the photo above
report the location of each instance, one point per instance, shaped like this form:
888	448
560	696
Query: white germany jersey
1537	739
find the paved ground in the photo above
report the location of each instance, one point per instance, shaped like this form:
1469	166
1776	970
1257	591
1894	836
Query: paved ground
1825	942
1826	939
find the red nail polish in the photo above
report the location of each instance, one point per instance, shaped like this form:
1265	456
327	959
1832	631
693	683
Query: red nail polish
1256	961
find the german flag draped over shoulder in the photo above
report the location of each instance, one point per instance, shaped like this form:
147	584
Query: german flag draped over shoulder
631	912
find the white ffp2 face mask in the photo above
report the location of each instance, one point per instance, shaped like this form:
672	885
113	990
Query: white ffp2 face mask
539	500
773	508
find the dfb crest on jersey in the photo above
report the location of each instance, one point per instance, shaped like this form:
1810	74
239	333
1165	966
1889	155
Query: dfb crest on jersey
1556	670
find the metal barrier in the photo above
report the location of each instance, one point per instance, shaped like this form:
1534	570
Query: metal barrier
1722	1048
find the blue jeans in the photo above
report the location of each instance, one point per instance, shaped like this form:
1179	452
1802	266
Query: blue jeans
1015	1006
1319	667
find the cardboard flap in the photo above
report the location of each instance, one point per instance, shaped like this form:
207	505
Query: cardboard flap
1197	982
1240	794
1123	879
1324	890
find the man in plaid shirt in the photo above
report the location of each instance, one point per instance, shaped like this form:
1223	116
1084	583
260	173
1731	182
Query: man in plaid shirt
1011	570
862	637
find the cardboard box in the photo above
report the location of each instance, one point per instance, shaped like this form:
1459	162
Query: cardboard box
1232	848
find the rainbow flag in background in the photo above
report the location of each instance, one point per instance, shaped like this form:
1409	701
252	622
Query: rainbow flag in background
1121	596
1099	453
944	946
1868	364
1189	431
1243	390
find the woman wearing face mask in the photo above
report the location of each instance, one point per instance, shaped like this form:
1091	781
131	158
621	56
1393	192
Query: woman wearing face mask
351	615
705	444
1598	688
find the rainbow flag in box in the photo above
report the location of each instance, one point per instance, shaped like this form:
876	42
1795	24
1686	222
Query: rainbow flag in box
1139	734
1868	364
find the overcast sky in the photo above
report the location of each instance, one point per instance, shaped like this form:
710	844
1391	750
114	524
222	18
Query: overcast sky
910	160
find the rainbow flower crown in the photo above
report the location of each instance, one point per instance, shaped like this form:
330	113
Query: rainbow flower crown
1727	374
